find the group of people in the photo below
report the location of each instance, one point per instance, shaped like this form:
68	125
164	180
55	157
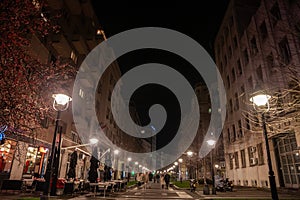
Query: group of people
148	177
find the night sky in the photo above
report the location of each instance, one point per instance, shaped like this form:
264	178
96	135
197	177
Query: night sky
201	22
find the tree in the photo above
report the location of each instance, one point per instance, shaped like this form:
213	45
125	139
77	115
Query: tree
28	77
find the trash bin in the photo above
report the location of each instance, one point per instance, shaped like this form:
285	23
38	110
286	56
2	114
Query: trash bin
206	190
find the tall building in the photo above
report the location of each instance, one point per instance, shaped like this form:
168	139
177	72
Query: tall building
256	49
79	32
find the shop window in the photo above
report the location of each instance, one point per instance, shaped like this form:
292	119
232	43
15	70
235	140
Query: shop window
35	162
7	151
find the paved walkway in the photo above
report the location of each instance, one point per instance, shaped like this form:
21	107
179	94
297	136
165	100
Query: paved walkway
155	192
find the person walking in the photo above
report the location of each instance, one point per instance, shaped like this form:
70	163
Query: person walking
167	180
146	181
162	181
150	176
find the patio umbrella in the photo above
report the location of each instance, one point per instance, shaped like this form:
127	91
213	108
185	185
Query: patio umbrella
93	173
73	163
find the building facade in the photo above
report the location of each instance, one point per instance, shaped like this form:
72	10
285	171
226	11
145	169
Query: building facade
257	49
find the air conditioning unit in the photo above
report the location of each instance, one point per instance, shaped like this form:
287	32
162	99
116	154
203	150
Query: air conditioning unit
252	149
253	161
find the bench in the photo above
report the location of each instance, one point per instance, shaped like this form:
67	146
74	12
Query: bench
14	185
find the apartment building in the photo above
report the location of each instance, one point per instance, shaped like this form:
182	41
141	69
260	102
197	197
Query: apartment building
256	48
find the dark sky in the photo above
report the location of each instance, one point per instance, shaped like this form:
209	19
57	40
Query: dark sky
201	22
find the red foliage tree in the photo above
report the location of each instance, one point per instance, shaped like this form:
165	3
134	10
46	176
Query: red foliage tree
26	81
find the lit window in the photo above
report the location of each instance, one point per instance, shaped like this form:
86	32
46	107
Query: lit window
73	57
81	93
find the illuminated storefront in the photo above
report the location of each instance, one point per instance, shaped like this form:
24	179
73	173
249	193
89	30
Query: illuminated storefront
35	162
7	151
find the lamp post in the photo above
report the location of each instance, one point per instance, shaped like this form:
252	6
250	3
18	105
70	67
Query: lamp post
180	160
60	103
261	104
190	154
212	143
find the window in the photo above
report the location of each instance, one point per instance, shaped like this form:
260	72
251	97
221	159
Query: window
263	31
225	59
250	82
236	100
230	51
231	160
253	46
99	89
275	14
235	42
260	154
242	90
228	135
233	74
239	66
45	122
236	160
73	57
285	51
234	132
221	67
243	158
7	152
81	93
231	21
259	73
270	61
240	129
228	81
29	165
246	57
230	106
252	156
247	122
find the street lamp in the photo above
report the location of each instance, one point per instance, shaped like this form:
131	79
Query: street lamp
60	103
180	160
261	104
212	143
190	154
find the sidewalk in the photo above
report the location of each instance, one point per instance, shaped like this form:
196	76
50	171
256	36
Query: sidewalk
251	193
